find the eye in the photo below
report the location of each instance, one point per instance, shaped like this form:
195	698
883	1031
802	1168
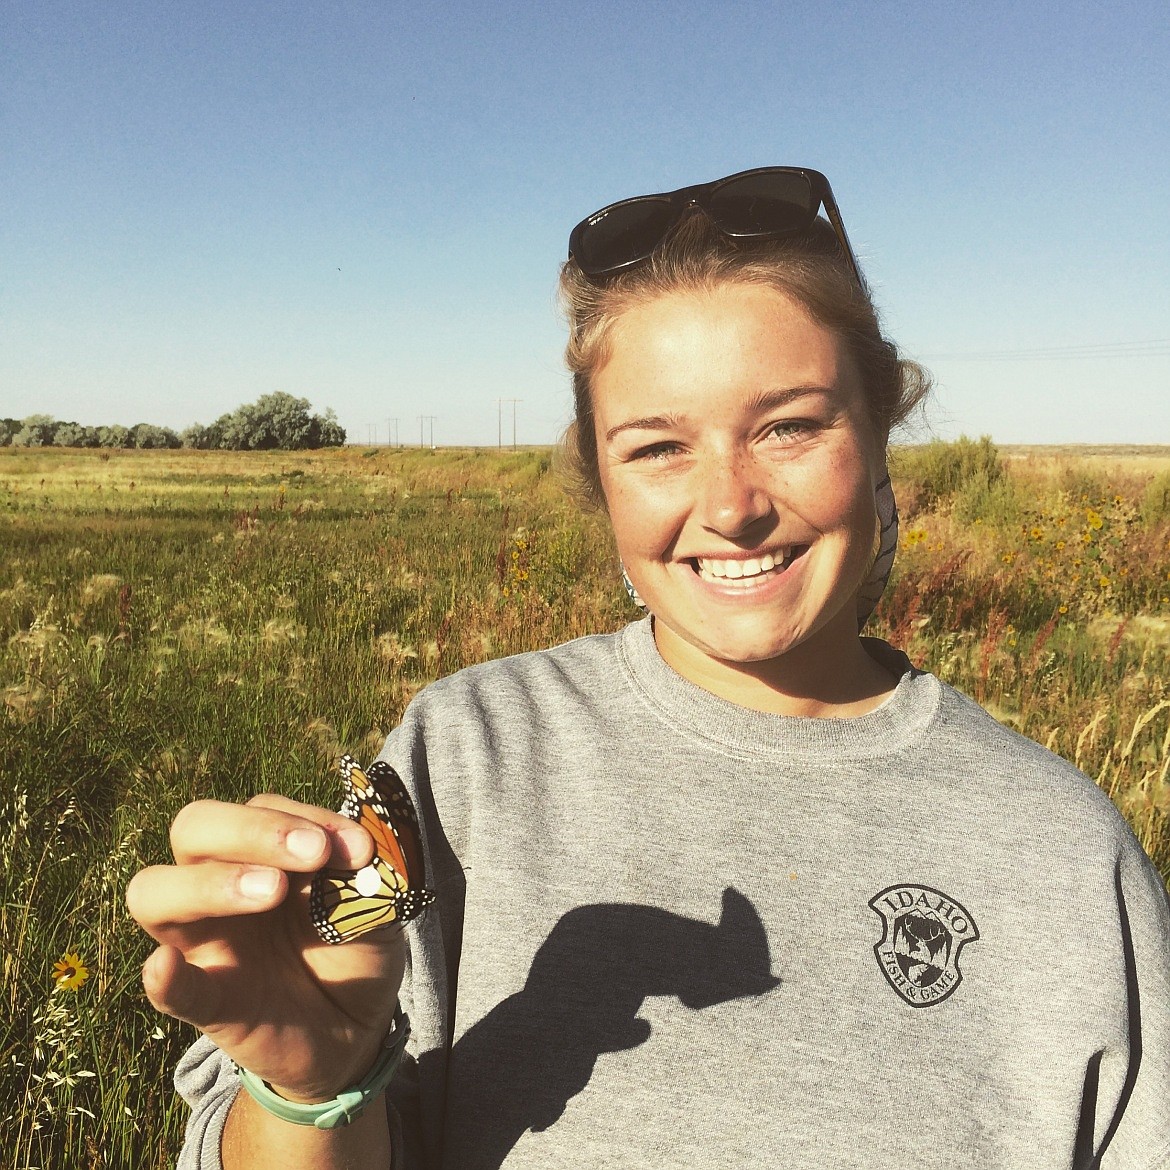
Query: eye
790	429
654	452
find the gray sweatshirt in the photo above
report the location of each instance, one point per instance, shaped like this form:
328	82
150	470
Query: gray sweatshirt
673	932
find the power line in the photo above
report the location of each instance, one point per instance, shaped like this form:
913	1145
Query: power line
1111	349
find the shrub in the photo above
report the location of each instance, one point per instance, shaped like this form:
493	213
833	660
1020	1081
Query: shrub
1155	505
940	469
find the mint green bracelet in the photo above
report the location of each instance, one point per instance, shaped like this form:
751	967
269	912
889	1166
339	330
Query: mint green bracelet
349	1104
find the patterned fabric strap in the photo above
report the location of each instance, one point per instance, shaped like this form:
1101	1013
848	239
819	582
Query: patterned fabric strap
874	585
632	592
349	1104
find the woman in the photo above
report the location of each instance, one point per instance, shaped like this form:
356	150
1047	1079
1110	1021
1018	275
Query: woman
733	886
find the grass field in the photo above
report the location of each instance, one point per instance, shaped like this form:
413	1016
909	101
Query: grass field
179	624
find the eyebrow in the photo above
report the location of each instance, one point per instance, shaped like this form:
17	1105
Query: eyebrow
768	400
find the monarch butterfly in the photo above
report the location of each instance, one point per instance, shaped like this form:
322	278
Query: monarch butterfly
345	903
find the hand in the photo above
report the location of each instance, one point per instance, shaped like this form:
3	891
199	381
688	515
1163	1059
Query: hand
239	957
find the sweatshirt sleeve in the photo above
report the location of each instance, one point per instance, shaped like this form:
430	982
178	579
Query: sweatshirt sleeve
1137	1137
207	1081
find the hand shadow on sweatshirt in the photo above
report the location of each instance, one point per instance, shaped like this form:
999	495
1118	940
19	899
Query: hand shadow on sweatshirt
518	1067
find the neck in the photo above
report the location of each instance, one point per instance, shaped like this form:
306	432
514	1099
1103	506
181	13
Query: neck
829	675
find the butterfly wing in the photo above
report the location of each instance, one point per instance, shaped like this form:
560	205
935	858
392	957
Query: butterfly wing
345	904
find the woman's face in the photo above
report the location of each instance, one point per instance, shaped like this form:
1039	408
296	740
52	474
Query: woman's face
738	464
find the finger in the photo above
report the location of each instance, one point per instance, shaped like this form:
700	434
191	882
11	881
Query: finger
351	846
269	830
163	897
178	988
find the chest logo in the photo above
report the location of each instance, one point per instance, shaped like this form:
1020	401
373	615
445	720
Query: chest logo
923	932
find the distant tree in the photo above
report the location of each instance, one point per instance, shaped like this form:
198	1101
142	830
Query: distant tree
195	437
69	434
36	431
328	432
114	436
215	434
148	436
8	428
276	420
235	431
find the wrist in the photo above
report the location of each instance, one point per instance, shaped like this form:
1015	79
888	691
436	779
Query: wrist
347	1105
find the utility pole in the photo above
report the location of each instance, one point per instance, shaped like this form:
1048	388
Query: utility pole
501	402
389	423
426	418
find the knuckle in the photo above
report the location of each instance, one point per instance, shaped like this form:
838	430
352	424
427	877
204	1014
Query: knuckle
266	800
189	816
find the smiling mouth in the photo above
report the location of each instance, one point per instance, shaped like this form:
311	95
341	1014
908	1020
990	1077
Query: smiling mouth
750	571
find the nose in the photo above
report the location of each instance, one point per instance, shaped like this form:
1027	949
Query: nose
732	497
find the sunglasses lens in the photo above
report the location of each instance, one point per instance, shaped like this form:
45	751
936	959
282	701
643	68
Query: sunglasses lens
769	203
625	233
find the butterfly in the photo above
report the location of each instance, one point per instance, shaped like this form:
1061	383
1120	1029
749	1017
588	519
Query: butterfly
346	903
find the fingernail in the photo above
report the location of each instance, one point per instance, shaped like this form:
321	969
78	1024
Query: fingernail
355	840
305	843
259	883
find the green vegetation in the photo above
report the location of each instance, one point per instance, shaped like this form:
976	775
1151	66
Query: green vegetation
186	624
273	421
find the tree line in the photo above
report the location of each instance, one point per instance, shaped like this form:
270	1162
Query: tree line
273	421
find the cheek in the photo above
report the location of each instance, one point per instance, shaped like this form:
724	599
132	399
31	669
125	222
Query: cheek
632	519
840	495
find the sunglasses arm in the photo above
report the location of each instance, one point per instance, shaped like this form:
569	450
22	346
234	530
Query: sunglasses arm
830	205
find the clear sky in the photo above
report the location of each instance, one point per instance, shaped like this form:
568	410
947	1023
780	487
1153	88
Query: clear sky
365	204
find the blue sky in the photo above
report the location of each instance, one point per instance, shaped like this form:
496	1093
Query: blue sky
365	204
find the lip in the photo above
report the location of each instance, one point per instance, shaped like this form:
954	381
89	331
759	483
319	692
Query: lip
738	554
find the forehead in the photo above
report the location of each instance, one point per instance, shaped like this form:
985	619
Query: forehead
714	341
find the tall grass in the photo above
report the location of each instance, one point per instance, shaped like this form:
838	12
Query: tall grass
176	625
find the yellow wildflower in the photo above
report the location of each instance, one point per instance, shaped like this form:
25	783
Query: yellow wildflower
1094	518
70	972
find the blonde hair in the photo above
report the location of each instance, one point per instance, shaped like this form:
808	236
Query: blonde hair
697	257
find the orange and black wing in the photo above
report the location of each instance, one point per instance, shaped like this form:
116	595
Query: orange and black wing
345	904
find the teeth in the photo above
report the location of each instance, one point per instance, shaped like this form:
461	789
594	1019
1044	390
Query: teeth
712	569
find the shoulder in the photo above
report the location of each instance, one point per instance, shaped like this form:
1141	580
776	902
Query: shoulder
1018	778
581	672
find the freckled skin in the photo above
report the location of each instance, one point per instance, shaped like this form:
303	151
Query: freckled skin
751	435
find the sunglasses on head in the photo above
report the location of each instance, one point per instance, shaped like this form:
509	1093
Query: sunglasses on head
762	204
